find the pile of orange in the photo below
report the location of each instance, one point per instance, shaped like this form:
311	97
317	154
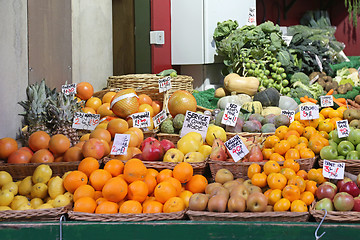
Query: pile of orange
131	187
286	187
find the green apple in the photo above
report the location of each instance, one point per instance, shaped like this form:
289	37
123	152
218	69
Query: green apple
340	157
354	136
333	143
353	155
328	152
334	136
358	148
345	147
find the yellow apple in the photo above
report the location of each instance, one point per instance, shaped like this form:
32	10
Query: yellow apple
191	142
194	157
215	132
205	150
173	155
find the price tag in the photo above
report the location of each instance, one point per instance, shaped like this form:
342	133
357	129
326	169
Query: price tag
87	121
252	16
326	101
120	145
164	84
318	61
343	128
69	89
309	112
141	119
314	79
289	113
333	170
195	122
159	118
236	148
287	39
231	114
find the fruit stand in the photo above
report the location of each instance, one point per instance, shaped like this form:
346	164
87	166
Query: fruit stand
273	152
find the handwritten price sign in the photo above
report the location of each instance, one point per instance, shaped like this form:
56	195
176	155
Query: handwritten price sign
326	101
309	112
236	148
69	89
289	113
164	84
87	121
252	16
120	145
343	128
195	122
333	170
231	114
159	118
141	119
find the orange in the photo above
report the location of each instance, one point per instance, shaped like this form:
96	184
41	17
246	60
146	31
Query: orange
138	191
93	102
107	207
288	172
297	117
163	174
37	140
282	205
298	206
335	114
85	204
101	133
276	181
306	153
282	147
310	123
152	172
174	204
291	132
297	126
267	192
88	165
342	109
317	143
274	196
115	167
293	140
299	182
108	97
271	167
152	207
134	169
300	146
163	191
281	131
302	173
73	180
84	191
151	183
143	98
307	197
309	131
271	141
98	178
185	196
334	120
316	175
115	189
157	106
183	172
324	134
326	126
131	206
138	132
88	110
100	200
135	141
117	125
311	186
267	153
84	137
259	179
291	192
146	108
7	146
290	163
326	111
277	157
253	168
197	184
59	143
176	183
97	194
292	154
303	140
84	90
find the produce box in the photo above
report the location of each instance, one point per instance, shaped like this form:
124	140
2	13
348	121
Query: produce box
50	214
335	216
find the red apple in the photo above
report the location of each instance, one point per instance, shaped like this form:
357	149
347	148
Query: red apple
343	201
167	144
332	185
149	139
342	182
356	204
153	151
358	180
351	188
325	191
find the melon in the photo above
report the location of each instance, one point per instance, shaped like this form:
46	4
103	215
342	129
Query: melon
181	101
125	103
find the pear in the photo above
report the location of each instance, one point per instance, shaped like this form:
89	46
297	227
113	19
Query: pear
255	154
218	154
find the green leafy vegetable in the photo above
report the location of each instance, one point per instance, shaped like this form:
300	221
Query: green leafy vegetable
300	76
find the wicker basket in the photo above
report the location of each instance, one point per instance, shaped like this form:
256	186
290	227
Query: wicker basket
351	166
249	216
239	169
335	216
119	217
51	214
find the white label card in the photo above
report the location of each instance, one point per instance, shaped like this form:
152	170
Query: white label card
195	122
314	79
289	113
333	170
159	118
287	39
120	145
309	112
164	84
252	16
141	119
69	89
343	128
87	121
236	147
231	114
326	101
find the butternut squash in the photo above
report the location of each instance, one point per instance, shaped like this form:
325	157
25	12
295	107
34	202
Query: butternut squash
233	82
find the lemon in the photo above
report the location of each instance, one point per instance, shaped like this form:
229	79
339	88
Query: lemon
18	201
42	174
69	195
39	190
45	206
61	201
5	178
25	186
56	187
6	197
12	186
36	202
5	208
25	206
65	174
50	201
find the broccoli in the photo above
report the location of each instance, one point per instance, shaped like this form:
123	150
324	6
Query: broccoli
313	91
299	92
300	76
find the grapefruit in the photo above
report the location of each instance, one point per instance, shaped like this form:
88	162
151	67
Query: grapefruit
181	101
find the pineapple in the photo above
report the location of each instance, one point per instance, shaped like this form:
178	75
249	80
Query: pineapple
61	112
35	116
